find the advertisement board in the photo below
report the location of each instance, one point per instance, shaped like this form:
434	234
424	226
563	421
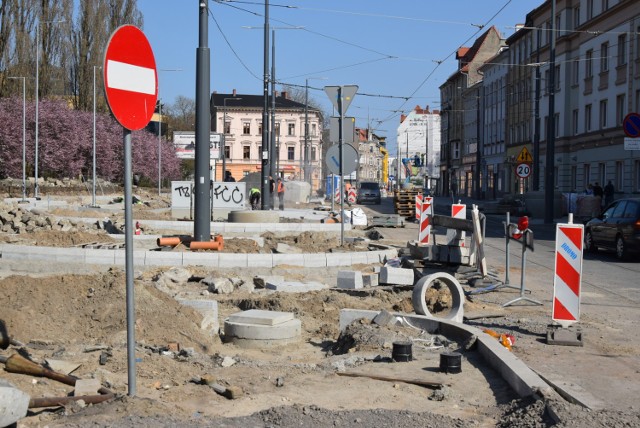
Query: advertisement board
184	143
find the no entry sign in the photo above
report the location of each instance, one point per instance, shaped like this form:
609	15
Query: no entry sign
130	77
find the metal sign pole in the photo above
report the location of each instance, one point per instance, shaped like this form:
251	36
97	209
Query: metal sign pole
128	245
340	137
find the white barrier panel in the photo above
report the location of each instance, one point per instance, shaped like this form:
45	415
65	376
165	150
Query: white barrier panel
568	274
457	237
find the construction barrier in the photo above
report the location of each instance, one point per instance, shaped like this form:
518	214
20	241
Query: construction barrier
568	273
351	196
426	211
418	207
457	237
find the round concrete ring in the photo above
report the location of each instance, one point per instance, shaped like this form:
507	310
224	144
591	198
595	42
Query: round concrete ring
418	298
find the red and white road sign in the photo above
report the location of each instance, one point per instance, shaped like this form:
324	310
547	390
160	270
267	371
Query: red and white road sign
130	77
426	211
568	274
457	237
418	205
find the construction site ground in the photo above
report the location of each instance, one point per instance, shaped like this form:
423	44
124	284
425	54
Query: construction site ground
76	313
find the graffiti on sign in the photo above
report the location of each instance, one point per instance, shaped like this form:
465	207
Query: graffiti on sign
223	194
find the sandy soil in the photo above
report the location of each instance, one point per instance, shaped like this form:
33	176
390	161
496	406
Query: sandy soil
81	318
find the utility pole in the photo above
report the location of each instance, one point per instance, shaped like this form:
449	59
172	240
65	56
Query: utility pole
536	122
202	186
264	189
272	144
549	181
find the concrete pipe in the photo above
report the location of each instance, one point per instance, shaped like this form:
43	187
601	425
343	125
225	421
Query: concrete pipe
457	296
254	217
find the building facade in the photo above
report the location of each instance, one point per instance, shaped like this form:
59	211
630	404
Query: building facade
239	118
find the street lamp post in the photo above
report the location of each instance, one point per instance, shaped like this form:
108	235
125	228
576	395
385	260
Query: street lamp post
24	150
36	190
93	176
224	134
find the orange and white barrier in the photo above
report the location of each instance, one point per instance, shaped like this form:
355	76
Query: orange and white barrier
568	273
426	211
418	206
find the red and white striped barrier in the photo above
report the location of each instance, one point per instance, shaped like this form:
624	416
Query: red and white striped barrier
418	205
336	196
351	196
456	237
426	211
568	274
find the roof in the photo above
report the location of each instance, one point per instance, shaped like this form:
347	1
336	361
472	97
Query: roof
467	56
254	101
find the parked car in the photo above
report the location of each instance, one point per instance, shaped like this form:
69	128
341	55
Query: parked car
369	192
617	228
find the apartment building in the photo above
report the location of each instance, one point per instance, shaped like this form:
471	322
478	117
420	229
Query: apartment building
239	118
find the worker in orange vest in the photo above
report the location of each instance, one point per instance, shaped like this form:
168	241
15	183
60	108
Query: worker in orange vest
281	193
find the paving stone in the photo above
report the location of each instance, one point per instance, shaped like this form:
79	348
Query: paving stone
348	279
370	279
296	287
397	276
86	387
261	317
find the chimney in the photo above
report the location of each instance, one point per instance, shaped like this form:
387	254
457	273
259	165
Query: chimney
285	95
402	118
234	92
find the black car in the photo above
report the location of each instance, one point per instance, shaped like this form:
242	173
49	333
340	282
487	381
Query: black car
368	192
617	228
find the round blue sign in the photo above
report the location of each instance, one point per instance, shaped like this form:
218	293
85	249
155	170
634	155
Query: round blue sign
631	125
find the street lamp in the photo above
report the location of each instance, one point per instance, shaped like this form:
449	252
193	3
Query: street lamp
307	164
224	134
93	199
24	150
37	95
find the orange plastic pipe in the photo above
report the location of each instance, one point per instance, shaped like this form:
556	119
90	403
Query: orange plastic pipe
205	245
169	241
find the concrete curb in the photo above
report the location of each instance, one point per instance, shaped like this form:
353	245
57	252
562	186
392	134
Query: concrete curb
25	253
524	381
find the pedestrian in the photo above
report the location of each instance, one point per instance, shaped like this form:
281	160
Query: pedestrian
589	190
228	177
281	193
608	193
272	189
254	198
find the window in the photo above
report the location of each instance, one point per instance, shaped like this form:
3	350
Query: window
636	183
314	154
619	179
587	118
576	73
292	129
576	16
586	175
638	43
246	152
456	150
246	128
556	82
259	128
291	151
603	114
620	109
278	128
622	49
574	121
227	152
605	5
227	127
574	178
602	173
314	129
588	66
604	57
556	124
589	9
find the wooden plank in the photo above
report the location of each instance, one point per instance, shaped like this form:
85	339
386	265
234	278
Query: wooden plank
419	382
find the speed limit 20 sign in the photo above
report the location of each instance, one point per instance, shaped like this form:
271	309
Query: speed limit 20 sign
523	170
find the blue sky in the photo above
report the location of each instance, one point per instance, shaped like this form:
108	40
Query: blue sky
391	49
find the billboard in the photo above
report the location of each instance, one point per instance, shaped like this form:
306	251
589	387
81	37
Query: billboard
184	143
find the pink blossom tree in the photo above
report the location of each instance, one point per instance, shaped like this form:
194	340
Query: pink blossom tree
65	144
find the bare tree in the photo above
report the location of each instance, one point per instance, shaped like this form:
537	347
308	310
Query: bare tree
182	114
